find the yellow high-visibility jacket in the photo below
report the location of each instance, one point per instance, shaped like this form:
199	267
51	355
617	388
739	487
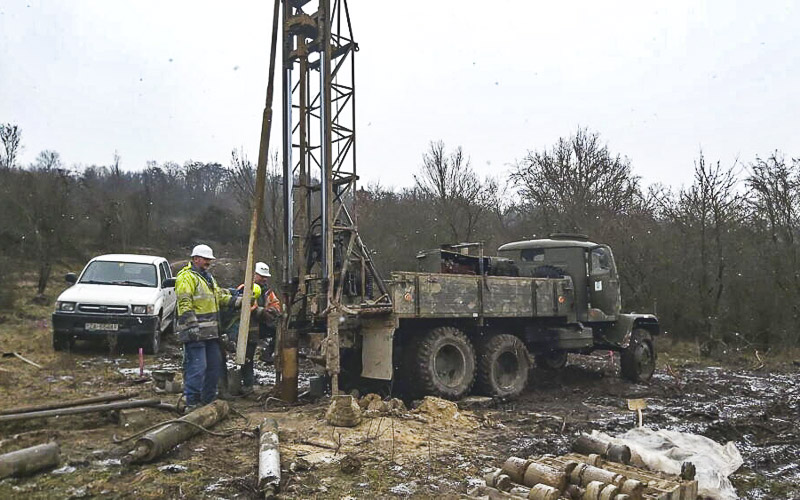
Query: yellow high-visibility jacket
199	304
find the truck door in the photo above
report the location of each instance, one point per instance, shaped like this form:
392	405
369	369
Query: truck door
603	285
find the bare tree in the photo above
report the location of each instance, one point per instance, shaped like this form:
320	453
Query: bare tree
575	182
706	214
11	137
774	202
461	197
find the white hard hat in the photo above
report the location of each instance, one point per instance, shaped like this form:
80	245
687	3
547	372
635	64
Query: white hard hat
203	251
262	269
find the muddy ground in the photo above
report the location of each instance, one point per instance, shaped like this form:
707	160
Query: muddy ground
419	454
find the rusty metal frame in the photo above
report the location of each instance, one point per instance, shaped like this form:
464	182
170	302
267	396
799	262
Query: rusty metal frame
319	175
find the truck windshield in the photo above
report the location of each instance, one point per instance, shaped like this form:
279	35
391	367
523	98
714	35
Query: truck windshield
120	273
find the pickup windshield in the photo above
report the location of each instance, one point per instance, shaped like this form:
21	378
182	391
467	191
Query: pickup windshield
120	273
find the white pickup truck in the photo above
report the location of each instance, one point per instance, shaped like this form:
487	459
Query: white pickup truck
130	296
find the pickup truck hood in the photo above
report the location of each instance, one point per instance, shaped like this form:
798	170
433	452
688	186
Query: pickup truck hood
109	294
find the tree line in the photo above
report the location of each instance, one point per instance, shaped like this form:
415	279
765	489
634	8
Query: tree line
716	259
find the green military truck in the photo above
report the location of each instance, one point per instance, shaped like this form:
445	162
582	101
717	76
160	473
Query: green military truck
465	322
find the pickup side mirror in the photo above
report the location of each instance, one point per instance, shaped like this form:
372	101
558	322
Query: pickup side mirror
168	283
71	278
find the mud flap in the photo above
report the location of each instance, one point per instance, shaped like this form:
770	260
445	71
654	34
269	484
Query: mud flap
376	348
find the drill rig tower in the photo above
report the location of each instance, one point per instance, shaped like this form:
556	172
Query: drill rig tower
329	275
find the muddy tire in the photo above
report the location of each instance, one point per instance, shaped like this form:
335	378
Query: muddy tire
502	366
152	341
62	342
444	361
638	360
551	360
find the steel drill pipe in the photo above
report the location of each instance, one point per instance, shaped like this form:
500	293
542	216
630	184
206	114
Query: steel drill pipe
29	460
138	403
67	404
156	443
269	458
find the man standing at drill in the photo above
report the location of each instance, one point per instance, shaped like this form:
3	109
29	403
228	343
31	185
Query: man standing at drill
199	303
262	322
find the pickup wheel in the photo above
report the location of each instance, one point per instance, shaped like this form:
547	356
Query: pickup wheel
173	320
551	360
445	363
62	342
502	366
152	342
638	360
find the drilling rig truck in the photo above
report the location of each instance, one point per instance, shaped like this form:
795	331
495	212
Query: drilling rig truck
462	321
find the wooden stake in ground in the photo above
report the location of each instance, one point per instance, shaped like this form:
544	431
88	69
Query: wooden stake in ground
258	206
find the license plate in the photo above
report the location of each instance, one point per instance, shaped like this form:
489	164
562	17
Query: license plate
102	327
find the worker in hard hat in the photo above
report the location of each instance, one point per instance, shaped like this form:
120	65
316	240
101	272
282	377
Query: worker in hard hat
199	302
265	310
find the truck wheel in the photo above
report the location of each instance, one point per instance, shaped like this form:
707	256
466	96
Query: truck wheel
502	366
551	360
152	341
445	363
638	360
62	342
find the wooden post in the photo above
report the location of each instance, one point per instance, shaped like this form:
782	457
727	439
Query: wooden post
261	174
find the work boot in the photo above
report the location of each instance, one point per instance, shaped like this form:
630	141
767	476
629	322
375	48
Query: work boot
190	408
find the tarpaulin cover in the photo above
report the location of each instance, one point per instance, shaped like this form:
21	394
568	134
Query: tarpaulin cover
665	451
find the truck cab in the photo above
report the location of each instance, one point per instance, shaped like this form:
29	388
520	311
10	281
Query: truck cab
590	265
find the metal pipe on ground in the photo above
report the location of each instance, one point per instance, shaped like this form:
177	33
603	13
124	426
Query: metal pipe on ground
155	443
269	458
138	403
67	404
29	460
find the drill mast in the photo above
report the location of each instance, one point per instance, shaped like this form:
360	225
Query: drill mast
328	270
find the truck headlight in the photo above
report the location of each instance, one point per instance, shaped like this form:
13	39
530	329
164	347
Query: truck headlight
142	309
65	306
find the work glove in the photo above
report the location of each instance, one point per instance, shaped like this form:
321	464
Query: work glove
237	303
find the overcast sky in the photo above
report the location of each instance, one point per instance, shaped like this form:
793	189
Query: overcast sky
179	80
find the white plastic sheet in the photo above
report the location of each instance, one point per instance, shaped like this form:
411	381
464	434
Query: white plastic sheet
665	451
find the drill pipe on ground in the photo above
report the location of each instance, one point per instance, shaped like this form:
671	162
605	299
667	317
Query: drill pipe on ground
67	404
29	460
138	403
588	445
269	458
155	443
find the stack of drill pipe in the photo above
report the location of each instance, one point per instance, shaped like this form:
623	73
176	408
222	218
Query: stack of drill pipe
632	487
651	484
269	458
29	460
155	443
550	475
587	445
500	486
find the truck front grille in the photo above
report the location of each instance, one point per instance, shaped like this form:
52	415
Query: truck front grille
102	309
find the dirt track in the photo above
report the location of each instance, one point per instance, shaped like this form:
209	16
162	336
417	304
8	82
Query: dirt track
408	455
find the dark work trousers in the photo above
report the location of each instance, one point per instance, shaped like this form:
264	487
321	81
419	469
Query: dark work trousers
201	371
